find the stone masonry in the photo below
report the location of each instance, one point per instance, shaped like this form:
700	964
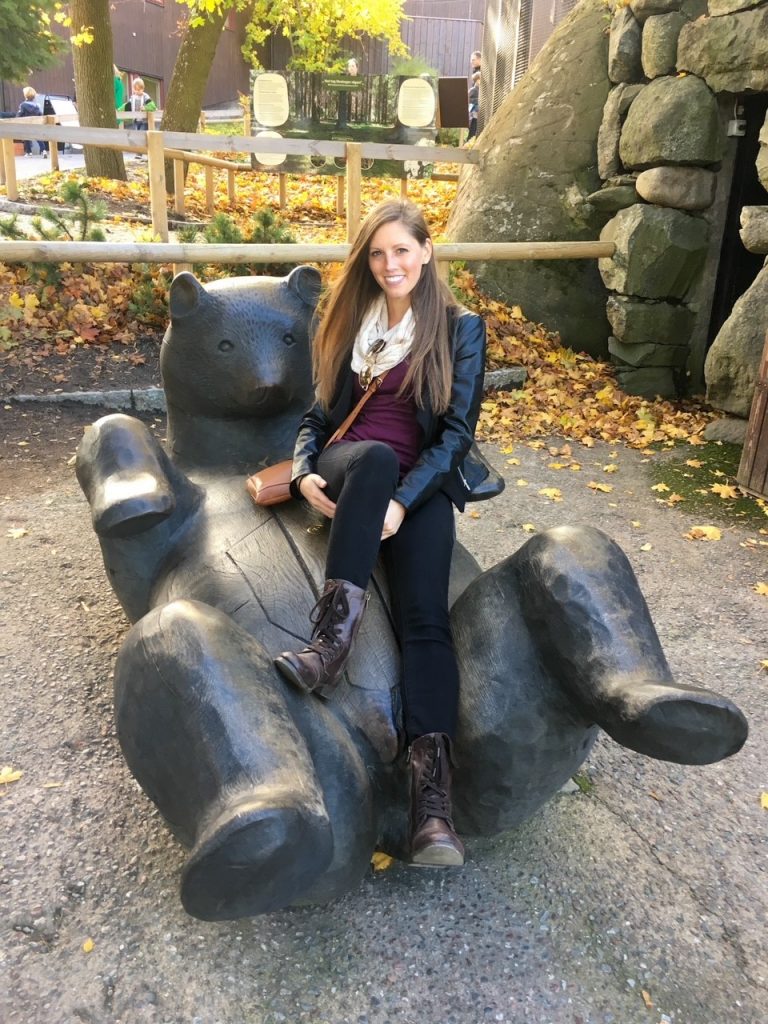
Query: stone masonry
660	147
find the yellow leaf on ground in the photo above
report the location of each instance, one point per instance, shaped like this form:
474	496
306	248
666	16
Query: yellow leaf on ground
724	490
636	522
764	801
703	533
513	462
673	499
381	861
611	468
552	493
606	488
7	774
646	547
474	515
646	999
659	487
88	945
761	588
530	528
694	463
764	664
521	483
17	532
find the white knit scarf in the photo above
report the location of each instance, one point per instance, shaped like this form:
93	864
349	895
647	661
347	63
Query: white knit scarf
375	325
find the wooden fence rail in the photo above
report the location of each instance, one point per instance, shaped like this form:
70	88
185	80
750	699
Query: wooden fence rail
183	253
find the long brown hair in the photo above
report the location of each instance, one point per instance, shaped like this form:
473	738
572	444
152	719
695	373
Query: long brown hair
342	311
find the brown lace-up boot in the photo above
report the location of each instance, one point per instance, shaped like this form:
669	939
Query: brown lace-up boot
336	618
434	842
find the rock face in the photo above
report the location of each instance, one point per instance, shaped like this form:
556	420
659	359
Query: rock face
624	47
659	52
539	165
730	52
762	157
732	362
684	188
635	322
754	229
659	253
672	121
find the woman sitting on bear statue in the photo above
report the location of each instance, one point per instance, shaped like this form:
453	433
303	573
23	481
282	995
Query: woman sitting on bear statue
390	485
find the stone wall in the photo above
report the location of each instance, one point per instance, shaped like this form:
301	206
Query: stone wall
660	149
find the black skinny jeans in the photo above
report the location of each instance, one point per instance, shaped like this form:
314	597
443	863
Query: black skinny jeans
362	477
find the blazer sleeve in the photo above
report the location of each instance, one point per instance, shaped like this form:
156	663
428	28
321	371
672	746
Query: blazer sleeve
456	427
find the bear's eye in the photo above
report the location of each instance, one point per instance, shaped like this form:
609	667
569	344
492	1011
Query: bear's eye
225	345
288	339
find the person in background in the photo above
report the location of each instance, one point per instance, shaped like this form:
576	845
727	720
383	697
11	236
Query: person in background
30	108
391	484
475	61
473	97
138	102
352	68
119	88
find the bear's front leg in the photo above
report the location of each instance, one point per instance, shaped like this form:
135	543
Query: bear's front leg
126	477
273	799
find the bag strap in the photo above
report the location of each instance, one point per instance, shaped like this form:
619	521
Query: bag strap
341	431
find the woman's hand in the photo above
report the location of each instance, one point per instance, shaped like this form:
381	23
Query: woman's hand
312	490
393	519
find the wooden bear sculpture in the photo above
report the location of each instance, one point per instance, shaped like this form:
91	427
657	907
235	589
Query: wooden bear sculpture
282	798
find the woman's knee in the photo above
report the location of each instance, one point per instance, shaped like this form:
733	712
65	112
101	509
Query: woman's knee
377	458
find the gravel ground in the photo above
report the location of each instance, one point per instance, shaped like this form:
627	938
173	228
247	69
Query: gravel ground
640	901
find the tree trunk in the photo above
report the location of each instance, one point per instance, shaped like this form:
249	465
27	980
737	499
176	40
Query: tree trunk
94	84
184	99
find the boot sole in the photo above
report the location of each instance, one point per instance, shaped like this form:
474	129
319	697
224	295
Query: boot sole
438	857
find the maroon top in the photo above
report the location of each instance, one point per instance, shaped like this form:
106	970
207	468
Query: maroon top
389	418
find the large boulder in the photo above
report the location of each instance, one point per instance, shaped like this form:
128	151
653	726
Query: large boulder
539	164
659	252
660	34
730	52
731	367
672	121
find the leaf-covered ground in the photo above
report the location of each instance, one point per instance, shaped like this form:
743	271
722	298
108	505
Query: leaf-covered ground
112	316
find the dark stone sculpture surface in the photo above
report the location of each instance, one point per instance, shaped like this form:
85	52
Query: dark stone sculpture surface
281	798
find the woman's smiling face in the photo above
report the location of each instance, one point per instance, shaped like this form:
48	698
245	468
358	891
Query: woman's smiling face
395	259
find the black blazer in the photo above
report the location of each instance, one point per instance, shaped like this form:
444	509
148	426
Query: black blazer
447	438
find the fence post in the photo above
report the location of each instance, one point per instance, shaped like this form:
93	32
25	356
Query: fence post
283	189
340	185
11	189
156	169
53	146
354	187
210	203
403	189
231	187
178	186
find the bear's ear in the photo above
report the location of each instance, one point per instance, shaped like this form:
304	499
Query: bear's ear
186	295
306	282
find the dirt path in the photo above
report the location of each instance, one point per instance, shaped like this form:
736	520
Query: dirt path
651	882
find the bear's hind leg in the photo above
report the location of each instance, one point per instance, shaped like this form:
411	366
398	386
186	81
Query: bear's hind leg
584	605
210	739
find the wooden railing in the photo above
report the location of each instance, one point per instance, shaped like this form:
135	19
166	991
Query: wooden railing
187	146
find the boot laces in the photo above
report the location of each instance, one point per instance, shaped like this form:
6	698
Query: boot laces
433	799
327	616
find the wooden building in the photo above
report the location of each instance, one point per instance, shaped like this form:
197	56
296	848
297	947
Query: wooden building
147	33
